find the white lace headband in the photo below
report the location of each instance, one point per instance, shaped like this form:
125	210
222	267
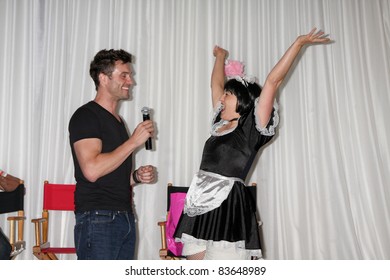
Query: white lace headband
235	70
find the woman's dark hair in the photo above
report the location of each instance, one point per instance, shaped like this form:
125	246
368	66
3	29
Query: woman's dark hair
246	95
104	62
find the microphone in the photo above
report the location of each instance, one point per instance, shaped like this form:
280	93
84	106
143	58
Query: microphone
145	114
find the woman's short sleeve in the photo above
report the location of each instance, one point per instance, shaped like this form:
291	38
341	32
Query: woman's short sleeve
270	128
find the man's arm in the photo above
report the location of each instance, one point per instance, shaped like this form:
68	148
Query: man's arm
95	164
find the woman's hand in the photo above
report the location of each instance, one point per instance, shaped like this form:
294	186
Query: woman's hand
220	52
313	37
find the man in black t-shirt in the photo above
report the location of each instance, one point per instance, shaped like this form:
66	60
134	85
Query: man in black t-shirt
102	154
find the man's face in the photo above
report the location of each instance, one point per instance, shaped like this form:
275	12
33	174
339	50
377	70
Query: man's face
120	81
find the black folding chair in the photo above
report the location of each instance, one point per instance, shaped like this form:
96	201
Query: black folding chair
13	244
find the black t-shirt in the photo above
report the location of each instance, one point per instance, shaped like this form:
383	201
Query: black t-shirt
112	191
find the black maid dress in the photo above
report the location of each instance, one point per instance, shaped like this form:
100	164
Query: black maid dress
229	154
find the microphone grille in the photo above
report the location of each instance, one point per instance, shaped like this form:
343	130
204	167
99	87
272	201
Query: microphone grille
145	110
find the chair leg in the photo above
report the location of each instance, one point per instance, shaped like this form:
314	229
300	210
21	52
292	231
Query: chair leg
44	256
38	254
52	256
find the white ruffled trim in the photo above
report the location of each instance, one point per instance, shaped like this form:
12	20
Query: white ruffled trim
216	126
245	79
239	245
267	131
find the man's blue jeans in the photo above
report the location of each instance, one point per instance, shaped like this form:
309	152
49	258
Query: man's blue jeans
105	235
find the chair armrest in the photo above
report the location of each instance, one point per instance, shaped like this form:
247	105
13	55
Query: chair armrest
13	230
16	218
38	220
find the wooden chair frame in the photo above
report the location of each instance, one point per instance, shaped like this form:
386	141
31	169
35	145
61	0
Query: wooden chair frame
42	249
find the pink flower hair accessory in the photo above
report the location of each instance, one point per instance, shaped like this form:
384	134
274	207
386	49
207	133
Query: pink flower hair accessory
234	69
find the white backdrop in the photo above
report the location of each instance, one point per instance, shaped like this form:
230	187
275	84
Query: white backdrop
324	180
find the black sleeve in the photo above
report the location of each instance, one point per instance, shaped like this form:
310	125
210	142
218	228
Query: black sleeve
83	124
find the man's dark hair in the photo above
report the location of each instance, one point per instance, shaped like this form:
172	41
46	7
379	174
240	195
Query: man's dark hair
104	62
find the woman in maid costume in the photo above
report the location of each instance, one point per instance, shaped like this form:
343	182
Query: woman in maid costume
219	220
